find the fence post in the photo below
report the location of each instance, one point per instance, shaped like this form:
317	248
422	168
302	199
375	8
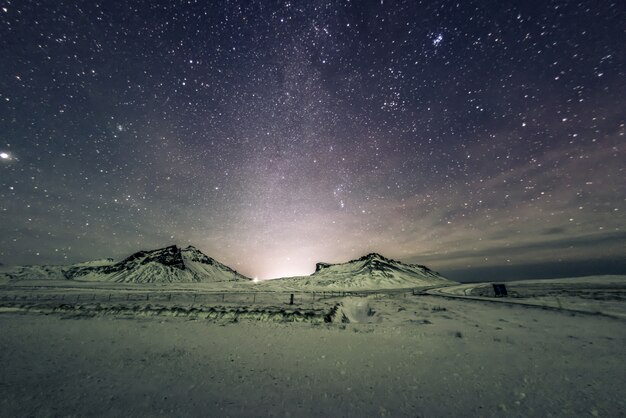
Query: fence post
147	296
254	298
223	294
194	298
291	299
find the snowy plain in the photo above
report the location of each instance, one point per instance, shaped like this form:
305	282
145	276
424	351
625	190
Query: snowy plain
388	353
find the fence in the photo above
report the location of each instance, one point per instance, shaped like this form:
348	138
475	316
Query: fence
190	298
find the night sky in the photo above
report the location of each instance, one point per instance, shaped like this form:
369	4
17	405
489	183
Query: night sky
485	139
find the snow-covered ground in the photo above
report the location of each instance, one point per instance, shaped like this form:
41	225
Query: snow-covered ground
384	354
594	294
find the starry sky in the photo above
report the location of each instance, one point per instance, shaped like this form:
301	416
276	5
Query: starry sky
485	139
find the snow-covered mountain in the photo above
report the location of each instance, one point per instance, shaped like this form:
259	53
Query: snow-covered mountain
372	271
165	265
174	264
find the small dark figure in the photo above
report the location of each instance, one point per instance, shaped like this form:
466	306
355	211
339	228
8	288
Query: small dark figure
500	290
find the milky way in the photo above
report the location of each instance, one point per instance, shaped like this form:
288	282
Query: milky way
479	138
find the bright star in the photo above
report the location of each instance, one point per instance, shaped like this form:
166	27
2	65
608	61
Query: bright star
5	156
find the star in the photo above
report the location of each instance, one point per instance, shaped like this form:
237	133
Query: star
438	39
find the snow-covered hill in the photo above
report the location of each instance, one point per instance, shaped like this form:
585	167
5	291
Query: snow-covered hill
174	264
372	271
166	265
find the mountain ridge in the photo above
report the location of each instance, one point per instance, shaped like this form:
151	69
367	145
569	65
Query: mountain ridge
171	264
371	271
371	259
175	264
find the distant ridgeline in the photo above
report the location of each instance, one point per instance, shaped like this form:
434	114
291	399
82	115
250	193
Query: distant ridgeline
166	265
174	264
372	271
